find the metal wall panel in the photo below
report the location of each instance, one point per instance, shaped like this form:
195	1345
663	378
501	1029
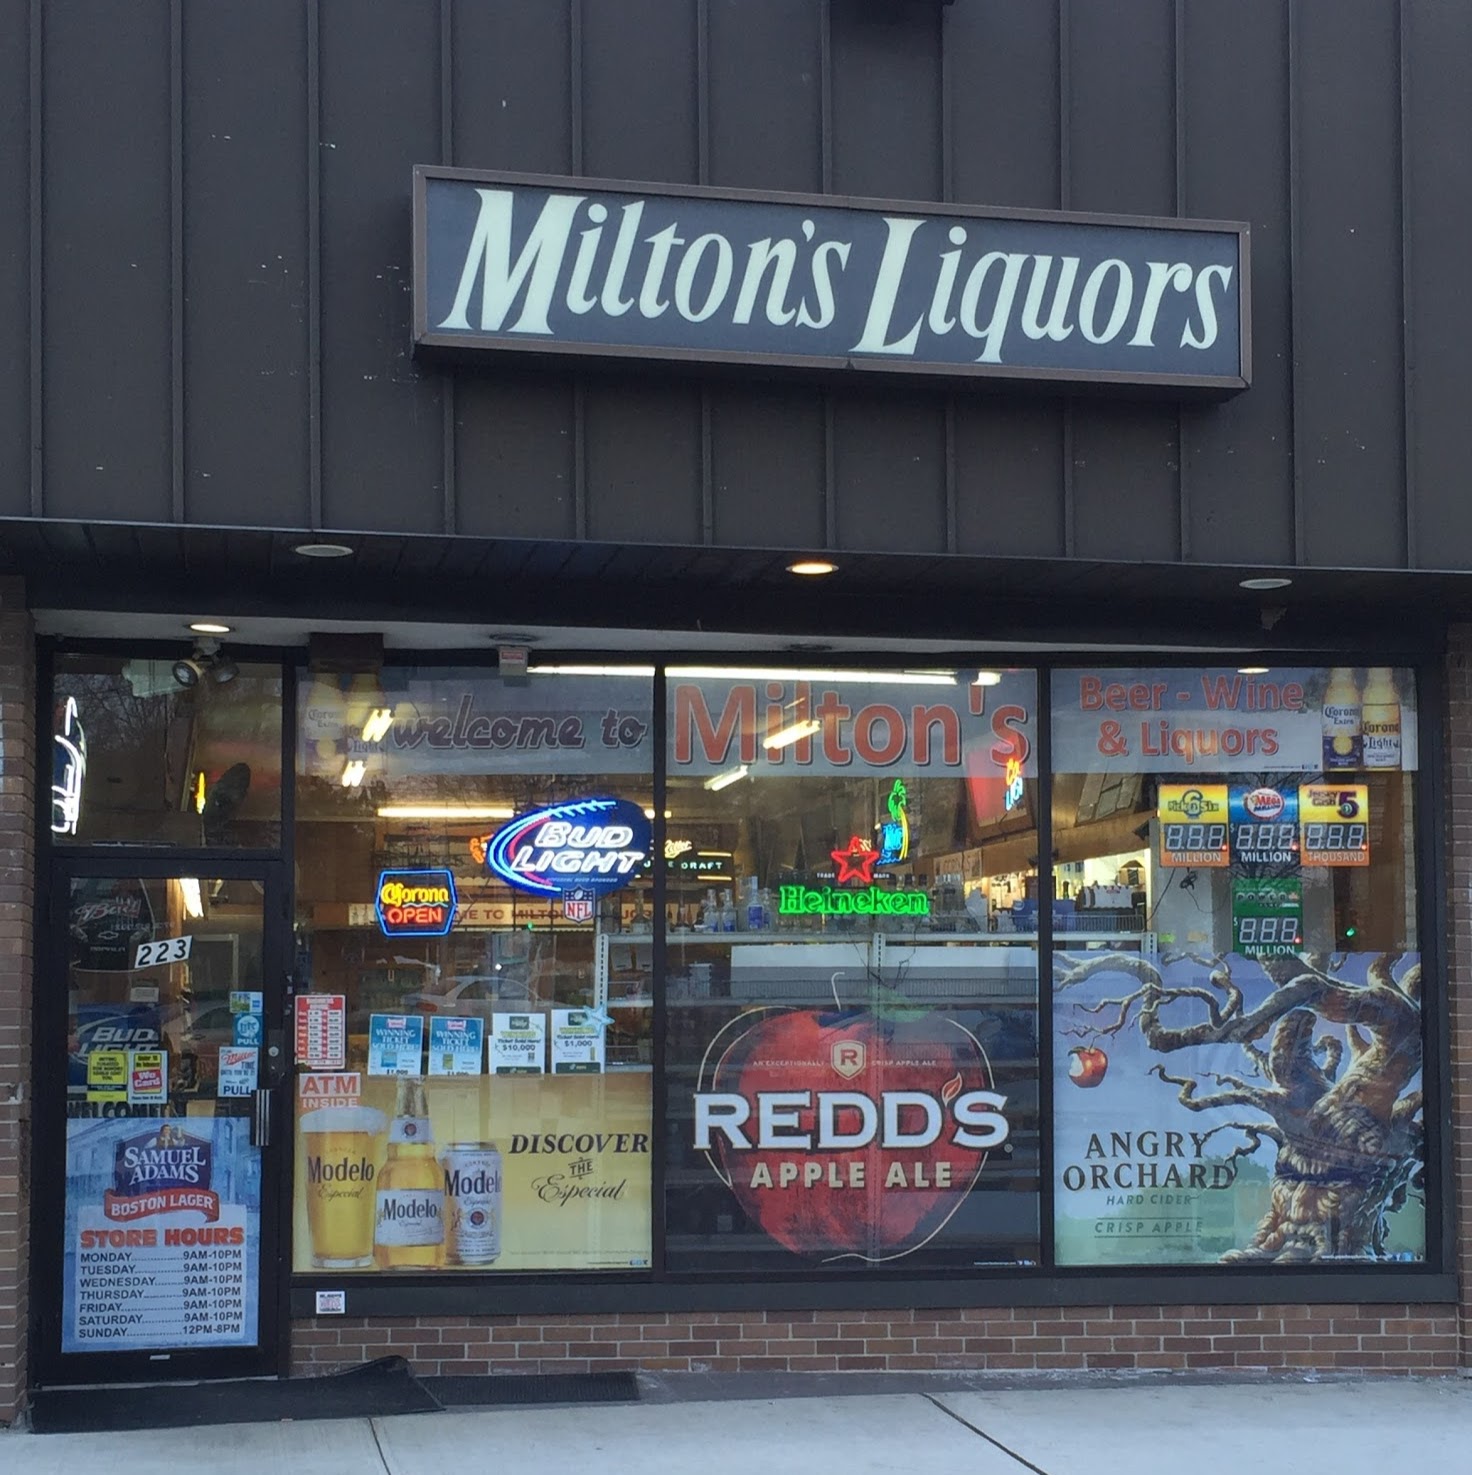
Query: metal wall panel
889	472
108	424
245	394
382	434
642	443
1347	390
1237	457
1438	221
15	252
767	487
1119	106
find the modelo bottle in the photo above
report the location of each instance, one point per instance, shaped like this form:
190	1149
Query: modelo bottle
409	1225
1341	720
1381	719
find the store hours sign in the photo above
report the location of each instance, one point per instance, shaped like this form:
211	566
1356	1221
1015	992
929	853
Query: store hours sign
515	264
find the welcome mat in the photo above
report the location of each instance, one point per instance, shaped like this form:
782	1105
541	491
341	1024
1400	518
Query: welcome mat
513	1390
386	1386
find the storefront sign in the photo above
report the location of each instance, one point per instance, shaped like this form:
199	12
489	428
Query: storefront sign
456	1046
162	1235
239	1070
576	851
1264	824
518	1044
1267	916
395	1044
1335	824
416	903
68	771
506	263
148	1077
1193	824
577	1042
321	1031
830	901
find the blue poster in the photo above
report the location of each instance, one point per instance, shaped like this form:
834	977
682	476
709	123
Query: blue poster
162	1234
456	1046
395	1044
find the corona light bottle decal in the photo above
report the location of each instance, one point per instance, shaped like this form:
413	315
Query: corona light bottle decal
409	1230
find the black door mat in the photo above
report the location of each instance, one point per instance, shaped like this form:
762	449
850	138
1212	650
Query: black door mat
521	1389
386	1386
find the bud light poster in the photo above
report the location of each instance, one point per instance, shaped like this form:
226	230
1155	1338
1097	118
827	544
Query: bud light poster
1238	1110
162	1234
888	1132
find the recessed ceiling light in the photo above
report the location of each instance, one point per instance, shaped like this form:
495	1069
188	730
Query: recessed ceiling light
204	627
812	567
1275	582
323	550
988	678
512	637
1252	670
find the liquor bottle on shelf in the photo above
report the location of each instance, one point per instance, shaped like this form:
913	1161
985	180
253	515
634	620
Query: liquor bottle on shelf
409	1229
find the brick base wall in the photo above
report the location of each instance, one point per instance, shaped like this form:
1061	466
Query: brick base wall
17	901
1381	1339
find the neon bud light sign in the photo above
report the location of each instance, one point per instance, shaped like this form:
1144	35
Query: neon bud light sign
597	844
416	903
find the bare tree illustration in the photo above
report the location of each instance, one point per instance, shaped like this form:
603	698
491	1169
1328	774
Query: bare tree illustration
1347	1126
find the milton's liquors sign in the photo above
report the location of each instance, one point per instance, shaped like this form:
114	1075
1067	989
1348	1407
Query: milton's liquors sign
512	264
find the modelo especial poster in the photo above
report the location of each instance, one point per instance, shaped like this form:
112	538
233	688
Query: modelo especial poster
1238	1110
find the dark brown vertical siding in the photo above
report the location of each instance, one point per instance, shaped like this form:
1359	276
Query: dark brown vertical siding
15	251
245	262
1348	381
1237	457
1438	198
1119	111
223	186
105	178
381	429
511	107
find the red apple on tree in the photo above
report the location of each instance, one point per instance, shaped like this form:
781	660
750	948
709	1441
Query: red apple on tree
1086	1065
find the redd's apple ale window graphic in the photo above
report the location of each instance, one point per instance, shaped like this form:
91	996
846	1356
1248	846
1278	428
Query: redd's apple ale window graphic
851	1134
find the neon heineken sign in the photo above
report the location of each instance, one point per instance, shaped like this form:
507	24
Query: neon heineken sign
830	901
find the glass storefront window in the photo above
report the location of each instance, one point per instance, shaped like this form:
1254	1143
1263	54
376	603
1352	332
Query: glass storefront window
138	758
468	847
852	1048
1246	1090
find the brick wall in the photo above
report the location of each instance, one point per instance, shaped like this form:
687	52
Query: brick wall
1458	944
17	872
1383	1339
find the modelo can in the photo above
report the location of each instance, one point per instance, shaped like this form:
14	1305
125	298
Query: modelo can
473	1203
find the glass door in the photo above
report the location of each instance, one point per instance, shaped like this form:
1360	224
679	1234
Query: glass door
160	1033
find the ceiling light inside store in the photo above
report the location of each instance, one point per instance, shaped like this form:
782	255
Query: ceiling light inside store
375	729
1266	582
796	673
204	627
352	774
720	781
649	814
193	900
591	670
1253	670
446	811
793	733
323	550
988	678
812	567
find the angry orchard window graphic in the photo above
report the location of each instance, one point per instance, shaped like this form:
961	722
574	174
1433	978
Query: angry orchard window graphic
1241	1110
849	1134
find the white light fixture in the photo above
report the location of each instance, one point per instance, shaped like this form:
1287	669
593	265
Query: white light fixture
375	729
591	670
794	732
446	811
812	567
193	900
205	627
352	774
795	673
720	781
1252	670
323	550
1266	582
988	678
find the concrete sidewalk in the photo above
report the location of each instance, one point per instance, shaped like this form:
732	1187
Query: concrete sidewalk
1359	1427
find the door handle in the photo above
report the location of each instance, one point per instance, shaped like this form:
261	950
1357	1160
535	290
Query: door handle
260	1118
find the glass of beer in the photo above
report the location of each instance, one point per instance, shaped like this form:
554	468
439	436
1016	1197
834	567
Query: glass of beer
341	1152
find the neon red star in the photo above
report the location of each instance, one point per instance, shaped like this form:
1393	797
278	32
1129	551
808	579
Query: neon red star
855	862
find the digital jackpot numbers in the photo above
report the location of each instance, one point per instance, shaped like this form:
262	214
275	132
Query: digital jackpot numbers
1193	824
1334	824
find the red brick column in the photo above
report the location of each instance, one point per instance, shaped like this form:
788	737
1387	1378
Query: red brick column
17	894
1458	946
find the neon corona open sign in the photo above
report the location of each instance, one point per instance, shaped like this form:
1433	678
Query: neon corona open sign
416	903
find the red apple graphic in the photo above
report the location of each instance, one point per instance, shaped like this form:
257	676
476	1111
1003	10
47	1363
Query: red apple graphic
1086	1065
874	1134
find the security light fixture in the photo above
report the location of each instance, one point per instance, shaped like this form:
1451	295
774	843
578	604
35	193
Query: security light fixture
206	660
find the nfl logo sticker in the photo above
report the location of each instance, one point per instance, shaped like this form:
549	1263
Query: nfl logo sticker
577	904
